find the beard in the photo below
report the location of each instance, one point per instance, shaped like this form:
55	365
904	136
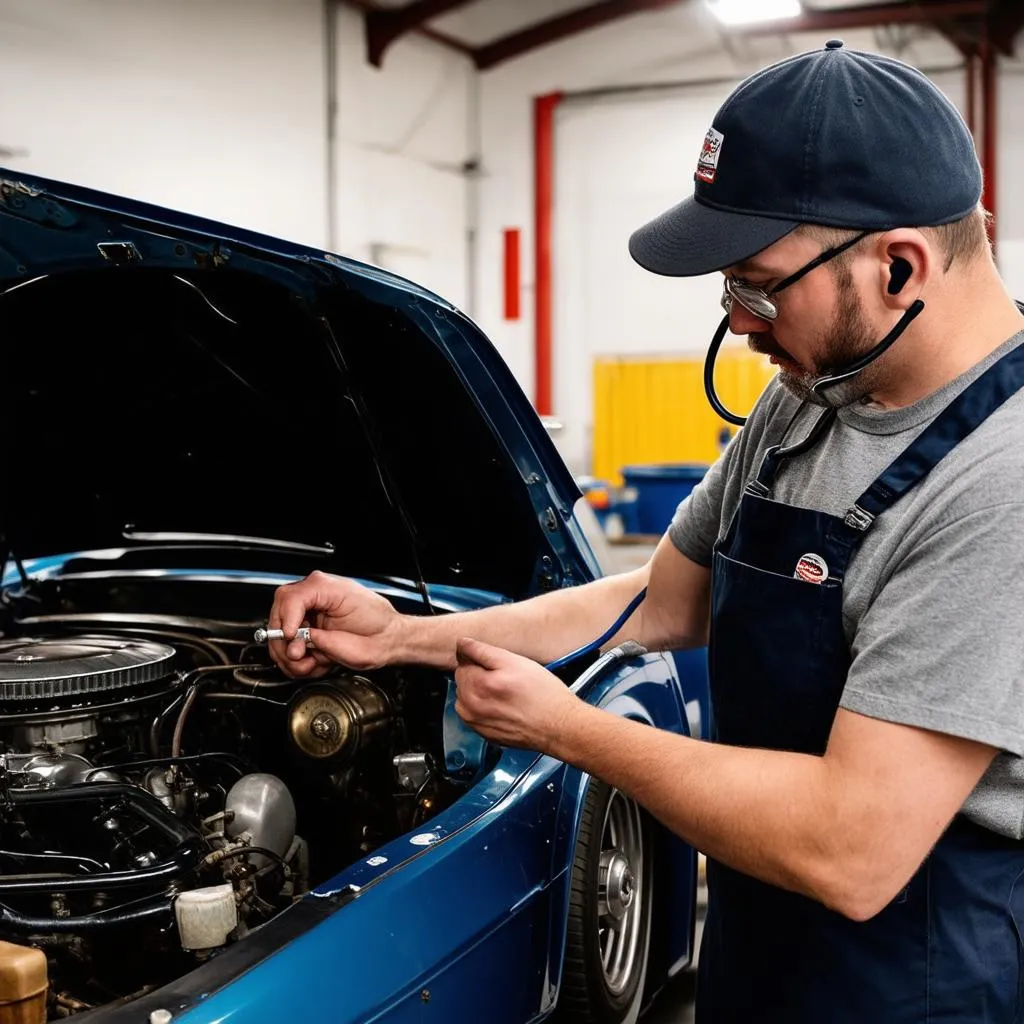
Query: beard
847	338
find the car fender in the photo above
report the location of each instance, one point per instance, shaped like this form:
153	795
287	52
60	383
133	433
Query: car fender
645	689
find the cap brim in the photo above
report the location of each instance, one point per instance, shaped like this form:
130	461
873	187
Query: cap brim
692	239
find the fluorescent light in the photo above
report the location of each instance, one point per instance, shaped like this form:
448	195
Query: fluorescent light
750	12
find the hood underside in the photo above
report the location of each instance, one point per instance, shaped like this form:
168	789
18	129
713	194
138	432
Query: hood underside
167	375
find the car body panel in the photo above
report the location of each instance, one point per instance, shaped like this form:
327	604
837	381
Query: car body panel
464	918
469	927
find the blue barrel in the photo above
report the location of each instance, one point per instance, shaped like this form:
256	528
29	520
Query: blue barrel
659	489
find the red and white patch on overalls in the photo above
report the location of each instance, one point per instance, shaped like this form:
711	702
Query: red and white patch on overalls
811	568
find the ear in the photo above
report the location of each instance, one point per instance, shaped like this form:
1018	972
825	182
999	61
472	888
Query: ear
906	261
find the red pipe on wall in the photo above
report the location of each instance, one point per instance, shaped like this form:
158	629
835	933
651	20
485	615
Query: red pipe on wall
512	283
971	99
543	203
990	93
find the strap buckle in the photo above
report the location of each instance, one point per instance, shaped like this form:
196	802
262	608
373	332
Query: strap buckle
858	518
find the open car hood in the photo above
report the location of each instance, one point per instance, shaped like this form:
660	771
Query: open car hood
164	374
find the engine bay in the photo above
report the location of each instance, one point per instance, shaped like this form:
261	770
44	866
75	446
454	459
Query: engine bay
165	790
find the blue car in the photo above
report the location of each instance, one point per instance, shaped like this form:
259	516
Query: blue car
194	415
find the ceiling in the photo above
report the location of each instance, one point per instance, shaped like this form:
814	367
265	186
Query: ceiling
491	32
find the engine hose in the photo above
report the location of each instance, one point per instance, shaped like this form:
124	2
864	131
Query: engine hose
142	803
197	677
184	860
278	860
54	860
233	761
160	912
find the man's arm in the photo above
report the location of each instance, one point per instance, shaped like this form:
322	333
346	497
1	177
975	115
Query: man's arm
542	628
848	829
672	616
676	612
358	628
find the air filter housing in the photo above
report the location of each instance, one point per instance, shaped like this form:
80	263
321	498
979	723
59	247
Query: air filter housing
61	672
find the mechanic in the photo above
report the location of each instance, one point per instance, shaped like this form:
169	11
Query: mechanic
857	552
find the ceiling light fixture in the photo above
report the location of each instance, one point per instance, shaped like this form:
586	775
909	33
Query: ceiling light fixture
750	12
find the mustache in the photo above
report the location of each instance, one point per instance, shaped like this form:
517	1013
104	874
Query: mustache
766	345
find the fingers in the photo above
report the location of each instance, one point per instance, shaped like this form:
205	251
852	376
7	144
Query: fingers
347	624
294	601
307	668
475	652
296	650
297	659
291	610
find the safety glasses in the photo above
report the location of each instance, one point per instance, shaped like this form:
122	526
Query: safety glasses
762	303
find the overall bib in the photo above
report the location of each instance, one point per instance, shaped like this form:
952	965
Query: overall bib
948	948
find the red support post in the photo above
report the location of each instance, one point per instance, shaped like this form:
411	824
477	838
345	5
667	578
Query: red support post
990	151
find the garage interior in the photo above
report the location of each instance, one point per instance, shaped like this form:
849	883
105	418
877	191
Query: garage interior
498	152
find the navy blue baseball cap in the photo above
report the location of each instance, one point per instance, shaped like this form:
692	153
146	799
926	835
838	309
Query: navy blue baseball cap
835	137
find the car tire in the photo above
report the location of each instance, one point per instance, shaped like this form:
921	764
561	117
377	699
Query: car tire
608	931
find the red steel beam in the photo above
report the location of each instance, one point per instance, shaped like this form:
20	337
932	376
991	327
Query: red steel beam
385	25
1004	24
369	7
543	205
559	27
866	17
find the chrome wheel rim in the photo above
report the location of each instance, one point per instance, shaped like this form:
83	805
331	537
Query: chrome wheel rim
620	894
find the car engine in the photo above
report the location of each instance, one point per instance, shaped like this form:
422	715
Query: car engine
163	792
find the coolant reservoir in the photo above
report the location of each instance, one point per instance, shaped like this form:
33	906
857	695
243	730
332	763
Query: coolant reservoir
205	916
23	984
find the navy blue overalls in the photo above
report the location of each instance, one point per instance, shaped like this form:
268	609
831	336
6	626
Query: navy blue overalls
948	948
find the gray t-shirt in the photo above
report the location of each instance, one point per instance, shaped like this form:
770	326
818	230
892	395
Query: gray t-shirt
933	601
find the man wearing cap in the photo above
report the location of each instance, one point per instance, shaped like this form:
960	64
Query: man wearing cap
855	554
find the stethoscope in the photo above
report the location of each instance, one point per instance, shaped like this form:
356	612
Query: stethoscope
822	383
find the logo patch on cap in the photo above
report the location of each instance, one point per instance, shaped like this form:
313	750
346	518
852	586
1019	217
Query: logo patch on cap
707	165
811	568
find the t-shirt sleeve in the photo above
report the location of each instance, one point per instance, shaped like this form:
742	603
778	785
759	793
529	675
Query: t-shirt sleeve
698	521
942	644
695	525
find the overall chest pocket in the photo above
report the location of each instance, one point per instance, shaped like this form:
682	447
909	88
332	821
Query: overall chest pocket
778	657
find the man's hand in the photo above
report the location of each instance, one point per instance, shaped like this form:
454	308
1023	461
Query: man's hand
510	699
350	625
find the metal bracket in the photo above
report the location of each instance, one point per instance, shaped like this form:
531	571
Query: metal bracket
858	518
627	649
121	253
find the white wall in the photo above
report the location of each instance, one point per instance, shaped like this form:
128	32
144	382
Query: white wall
217	109
404	132
221	108
623	159
638	48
